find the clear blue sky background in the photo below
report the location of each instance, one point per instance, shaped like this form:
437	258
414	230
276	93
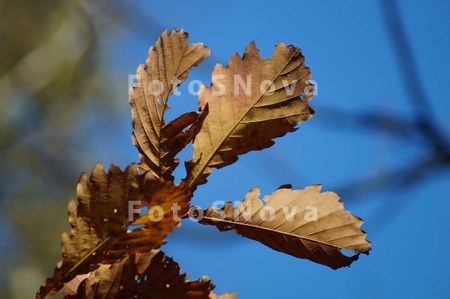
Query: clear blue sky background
348	49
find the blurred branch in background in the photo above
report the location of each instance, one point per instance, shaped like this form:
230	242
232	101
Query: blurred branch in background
423	130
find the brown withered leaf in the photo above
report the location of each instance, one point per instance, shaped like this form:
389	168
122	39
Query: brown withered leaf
147	275
104	213
166	67
71	287
238	119
223	296
304	223
168	204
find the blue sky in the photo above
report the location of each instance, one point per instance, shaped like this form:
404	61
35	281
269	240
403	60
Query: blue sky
348	49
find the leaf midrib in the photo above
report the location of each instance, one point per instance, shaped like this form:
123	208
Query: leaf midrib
256	227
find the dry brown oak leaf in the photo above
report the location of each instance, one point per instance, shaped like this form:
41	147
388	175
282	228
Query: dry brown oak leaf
101	220
306	223
250	102
142	275
166	67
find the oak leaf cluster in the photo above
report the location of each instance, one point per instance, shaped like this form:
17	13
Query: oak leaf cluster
113	250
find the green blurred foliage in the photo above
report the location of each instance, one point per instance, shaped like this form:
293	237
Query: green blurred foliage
51	76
